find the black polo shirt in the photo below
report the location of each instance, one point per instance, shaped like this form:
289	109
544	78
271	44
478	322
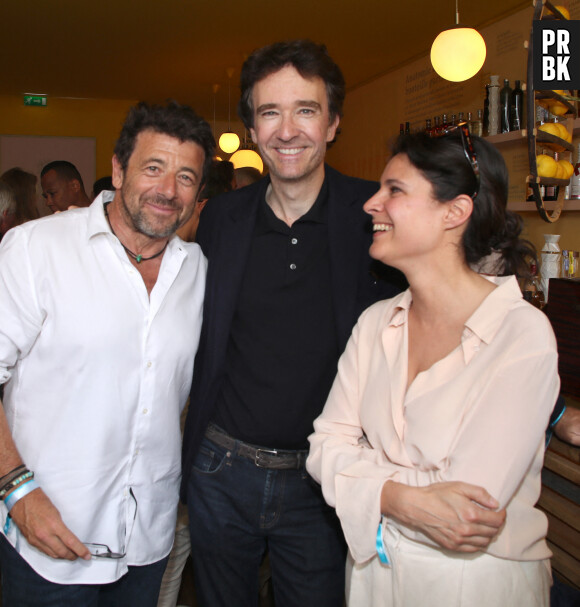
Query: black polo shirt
283	347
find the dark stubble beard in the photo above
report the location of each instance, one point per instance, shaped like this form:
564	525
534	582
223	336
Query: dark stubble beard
141	222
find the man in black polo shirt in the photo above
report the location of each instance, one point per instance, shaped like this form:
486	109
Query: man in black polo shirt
288	275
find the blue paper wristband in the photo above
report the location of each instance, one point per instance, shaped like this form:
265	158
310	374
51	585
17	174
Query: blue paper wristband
381	545
20	492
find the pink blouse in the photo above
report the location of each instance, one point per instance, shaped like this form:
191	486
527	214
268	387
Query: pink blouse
478	416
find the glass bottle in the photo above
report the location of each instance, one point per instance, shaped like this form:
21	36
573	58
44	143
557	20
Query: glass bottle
531	288
476	126
401	129
517	108
428	128
407	128
550	261
486	111
505	100
437	126
575	179
494	123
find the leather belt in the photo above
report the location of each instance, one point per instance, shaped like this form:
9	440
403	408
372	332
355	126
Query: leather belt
263	457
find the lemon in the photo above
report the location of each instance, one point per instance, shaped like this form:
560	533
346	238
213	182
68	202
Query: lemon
567	167
562	131
550	128
547	166
565	12
557	108
560	171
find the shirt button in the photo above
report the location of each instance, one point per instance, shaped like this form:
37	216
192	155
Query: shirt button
292	266
149	363
136	452
294	241
145	411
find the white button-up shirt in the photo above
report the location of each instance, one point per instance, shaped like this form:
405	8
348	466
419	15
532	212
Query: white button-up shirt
98	371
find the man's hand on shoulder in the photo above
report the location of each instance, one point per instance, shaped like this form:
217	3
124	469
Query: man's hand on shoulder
41	524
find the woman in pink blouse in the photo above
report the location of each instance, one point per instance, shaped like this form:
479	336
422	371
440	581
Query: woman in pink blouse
430	445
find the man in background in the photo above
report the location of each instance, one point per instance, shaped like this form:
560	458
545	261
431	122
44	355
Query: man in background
62	186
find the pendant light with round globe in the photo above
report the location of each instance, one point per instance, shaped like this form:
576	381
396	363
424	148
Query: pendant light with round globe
247	158
458	53
229	142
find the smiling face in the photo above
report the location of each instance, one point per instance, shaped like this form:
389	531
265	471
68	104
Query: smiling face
159	188
408	223
292	124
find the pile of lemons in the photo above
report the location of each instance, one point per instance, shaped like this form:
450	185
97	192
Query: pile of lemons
549	167
557	129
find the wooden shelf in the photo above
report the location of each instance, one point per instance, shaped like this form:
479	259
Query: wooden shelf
530	206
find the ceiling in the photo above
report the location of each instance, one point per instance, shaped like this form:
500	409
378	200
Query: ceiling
155	50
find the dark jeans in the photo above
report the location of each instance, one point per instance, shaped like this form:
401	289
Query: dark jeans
23	587
237	511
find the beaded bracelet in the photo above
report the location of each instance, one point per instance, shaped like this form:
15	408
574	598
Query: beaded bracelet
15	482
13	473
20	492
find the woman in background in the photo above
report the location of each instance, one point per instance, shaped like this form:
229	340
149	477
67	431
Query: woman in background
23	186
431	442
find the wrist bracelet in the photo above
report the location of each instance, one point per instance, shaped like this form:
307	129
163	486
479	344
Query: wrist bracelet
18	469
20	492
558	418
15	482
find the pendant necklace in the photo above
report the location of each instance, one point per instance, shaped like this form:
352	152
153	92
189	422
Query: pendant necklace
137	258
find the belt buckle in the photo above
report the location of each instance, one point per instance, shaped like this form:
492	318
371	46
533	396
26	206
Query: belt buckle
263	451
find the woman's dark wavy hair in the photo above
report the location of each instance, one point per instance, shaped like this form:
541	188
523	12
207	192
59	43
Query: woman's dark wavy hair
308	58
173	119
491	227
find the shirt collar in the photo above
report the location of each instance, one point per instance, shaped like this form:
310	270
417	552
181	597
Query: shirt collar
267	221
483	324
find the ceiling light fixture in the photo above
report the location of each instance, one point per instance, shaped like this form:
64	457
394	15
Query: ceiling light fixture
247	156
458	53
229	142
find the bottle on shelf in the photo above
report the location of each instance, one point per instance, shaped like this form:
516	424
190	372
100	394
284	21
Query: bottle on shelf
437	125
575	179
476	126
453	119
428	128
407	128
552	190
531	289
494	106
461	117
486	111
505	100
517	108
444	123
401	129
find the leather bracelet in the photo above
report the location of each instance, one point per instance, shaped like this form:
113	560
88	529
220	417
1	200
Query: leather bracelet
20	492
15	482
8	477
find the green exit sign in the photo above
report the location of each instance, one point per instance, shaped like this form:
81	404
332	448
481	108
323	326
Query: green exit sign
34	99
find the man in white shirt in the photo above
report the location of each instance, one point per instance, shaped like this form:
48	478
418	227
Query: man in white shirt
100	313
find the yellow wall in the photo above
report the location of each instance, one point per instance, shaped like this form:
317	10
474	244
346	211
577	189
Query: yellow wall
98	118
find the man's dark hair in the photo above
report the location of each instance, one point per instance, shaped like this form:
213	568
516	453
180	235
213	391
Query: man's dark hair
64	169
309	59
103	183
219	179
173	119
